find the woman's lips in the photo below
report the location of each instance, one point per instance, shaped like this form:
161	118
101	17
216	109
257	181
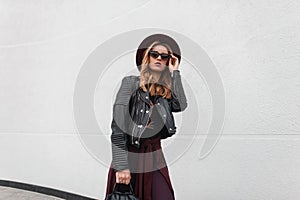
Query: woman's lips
157	64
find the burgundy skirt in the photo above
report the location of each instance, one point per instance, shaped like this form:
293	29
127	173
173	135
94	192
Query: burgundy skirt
143	162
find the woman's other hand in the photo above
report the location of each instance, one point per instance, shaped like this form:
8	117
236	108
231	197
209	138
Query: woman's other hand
123	176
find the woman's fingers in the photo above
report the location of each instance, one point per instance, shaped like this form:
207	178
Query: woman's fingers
173	62
127	182
175	59
126	179
117	177
123	177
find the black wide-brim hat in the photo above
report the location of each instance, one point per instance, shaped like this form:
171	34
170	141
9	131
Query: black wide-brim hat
149	40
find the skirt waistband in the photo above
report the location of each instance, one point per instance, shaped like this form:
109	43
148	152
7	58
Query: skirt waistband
147	144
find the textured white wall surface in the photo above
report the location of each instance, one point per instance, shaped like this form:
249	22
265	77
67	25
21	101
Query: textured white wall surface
255	46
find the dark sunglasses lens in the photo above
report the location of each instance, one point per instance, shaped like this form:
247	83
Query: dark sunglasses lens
153	54
165	56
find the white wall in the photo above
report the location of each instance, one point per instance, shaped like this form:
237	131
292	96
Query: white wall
254	45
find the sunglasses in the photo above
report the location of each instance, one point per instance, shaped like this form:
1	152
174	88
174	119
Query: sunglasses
155	54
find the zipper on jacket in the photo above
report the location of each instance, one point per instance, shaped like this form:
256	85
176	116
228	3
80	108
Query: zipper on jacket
151	107
136	113
150	111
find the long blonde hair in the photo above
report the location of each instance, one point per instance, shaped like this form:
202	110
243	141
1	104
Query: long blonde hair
164	84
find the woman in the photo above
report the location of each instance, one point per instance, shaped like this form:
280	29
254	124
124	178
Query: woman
142	117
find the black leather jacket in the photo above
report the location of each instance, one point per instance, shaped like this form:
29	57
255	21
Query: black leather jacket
131	113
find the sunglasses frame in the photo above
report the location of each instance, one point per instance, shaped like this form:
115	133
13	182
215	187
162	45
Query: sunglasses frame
162	55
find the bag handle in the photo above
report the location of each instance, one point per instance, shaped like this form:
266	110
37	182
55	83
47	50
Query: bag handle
131	190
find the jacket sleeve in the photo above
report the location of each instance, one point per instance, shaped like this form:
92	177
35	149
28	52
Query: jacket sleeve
119	127
178	100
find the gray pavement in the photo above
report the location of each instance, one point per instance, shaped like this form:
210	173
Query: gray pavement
7	193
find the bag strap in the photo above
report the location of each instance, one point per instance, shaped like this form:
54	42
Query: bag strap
131	189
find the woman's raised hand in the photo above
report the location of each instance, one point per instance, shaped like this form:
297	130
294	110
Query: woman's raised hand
173	63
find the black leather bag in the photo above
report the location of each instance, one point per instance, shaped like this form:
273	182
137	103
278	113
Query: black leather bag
118	195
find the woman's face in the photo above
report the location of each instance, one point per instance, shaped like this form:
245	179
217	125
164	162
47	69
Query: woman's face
158	64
